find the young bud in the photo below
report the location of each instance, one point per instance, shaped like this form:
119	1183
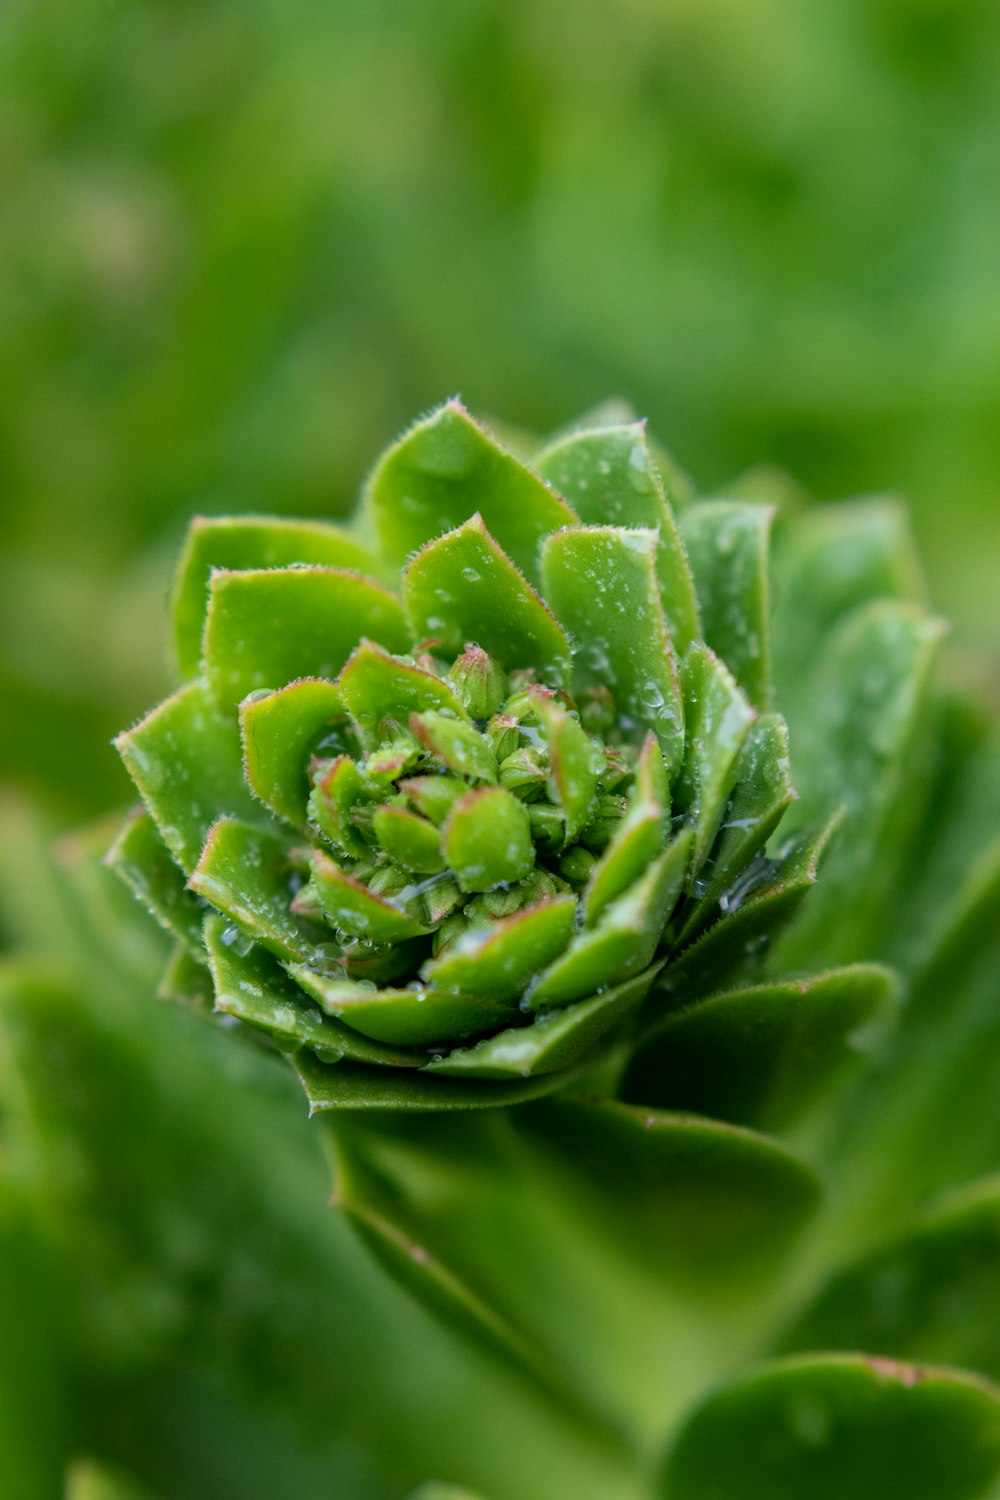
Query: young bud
479	682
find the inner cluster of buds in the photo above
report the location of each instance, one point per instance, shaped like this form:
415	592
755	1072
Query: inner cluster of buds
466	794
467	825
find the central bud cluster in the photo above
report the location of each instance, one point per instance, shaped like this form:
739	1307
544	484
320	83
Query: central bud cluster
459	815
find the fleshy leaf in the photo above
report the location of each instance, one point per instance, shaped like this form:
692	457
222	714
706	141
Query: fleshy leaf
487	839
268	627
727	544
858	751
608	476
141	858
185	760
434	796
836	558
409	840
836	1425
498	958
762	794
252	987
759	1056
350	1086
638	839
352	908
236	542
444	469
336	793
931	1292
745	933
573	766
516	1219
552	1044
625	938
458	746
718	719
245	872
410	1017
375	685
463	587
279	730
601	582
706	1200
186	979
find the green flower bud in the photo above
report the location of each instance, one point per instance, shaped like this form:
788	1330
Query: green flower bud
479	682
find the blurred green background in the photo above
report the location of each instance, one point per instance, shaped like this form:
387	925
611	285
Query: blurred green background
242	242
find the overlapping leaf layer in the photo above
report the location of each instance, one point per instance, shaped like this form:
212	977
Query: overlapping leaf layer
489	802
483	825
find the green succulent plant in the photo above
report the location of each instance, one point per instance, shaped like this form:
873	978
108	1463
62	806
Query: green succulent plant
483	810
460	838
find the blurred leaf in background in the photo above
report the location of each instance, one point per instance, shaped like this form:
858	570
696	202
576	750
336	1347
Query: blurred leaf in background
240	244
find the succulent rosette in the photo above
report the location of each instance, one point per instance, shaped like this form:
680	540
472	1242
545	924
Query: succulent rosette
497	810
460	803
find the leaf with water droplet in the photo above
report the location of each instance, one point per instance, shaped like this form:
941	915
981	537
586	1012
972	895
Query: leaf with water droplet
410	841
245	873
265	629
609	477
463	587
718	719
184	758
279	730
637	840
445	469
415	1017
601	582
739	941
554	1042
241	542
573	766
498	958
487	839
624	940
376	685
761	795
352	908
141	859
728	546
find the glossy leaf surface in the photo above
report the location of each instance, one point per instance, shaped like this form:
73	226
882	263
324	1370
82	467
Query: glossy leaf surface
556	1041
610	478
463	587
248	542
140	857
601	582
760	1055
443	470
761	794
718	718
375	685
830	1427
185	760
500	957
727	544
267	628
279	732
246	873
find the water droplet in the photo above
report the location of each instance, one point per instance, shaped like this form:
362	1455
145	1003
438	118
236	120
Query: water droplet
236	939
